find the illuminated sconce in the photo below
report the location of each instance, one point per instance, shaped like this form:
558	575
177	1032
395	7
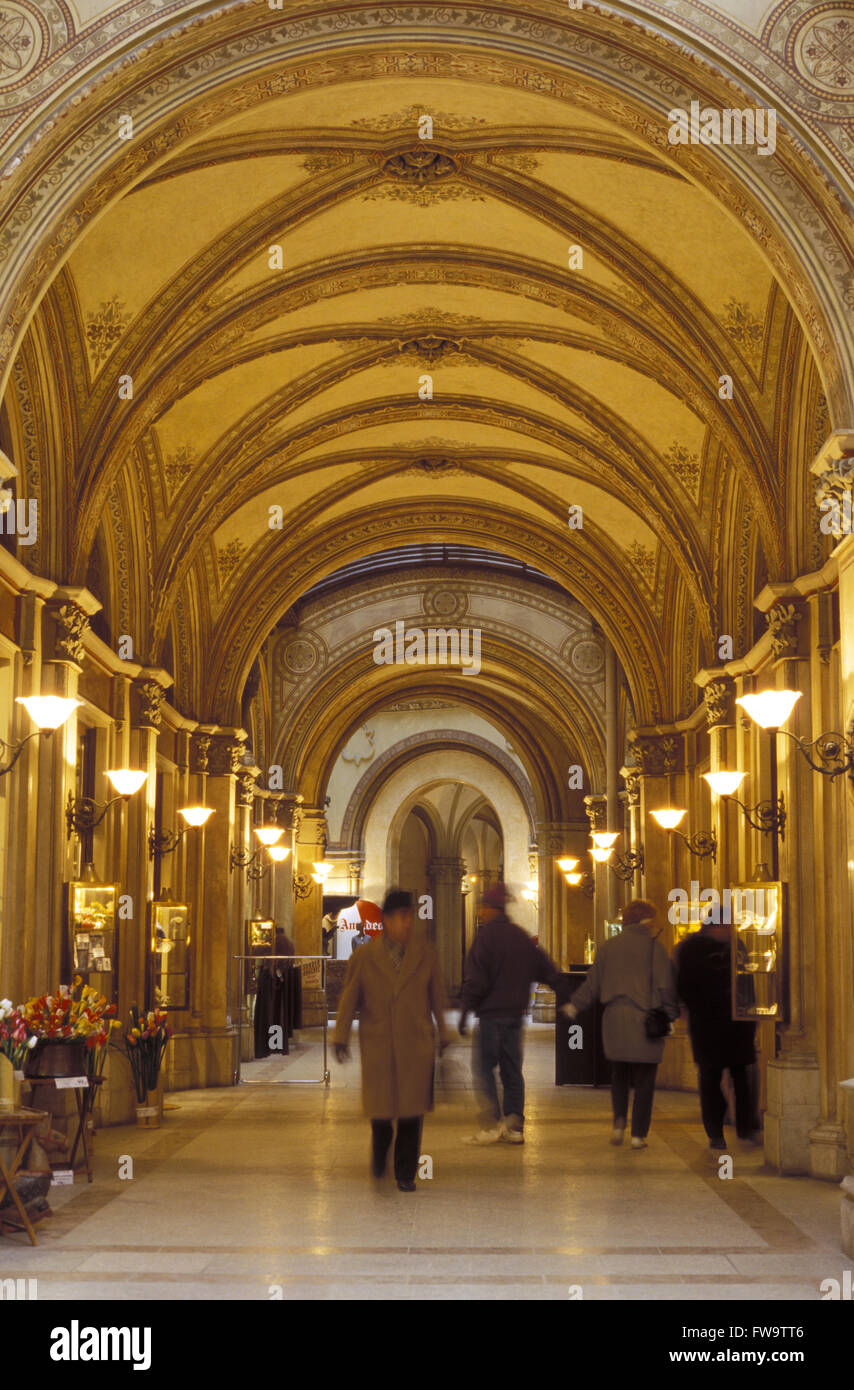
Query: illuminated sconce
321	872
771	708
268	834
530	892
278	853
168	840
82	814
764	816
627	865
48	712
568	866
604	839
703	844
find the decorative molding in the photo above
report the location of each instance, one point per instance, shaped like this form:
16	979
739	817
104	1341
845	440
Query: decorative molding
631	778
782	622
225	755
199	752
72	624
656	755
836	485
150	697
717	697
246	788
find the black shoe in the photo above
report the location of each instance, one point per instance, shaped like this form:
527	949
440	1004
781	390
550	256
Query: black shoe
719	1144
405	1186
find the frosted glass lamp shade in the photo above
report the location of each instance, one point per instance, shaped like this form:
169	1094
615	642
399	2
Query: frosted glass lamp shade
724	783
48	711
770	708
126	780
604	839
269	834
668	817
567	866
196	815
278	853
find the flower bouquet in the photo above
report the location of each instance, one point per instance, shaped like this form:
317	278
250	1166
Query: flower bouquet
16	1041
71	1029
145	1043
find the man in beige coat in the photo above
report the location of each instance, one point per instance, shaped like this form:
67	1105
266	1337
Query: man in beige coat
395	983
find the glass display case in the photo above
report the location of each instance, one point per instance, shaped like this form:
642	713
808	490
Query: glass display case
758	985
260	941
685	918
92	937
170	951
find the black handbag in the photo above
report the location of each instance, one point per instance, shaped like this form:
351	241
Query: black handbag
656	1021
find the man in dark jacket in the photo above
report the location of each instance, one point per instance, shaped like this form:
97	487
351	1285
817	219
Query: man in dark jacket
717	1040
501	966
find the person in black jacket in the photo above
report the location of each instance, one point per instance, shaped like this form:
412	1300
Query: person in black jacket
501	966
717	1040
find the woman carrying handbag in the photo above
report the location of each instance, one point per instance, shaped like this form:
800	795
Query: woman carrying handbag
633	977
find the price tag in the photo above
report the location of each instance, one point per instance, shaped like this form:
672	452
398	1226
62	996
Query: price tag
18	1076
62	1177
71	1083
146	1110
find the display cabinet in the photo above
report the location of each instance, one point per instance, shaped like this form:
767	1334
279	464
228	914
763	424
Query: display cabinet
92	936
758	954
170	954
260	941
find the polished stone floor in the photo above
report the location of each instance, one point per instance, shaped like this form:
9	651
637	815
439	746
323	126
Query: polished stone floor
254	1190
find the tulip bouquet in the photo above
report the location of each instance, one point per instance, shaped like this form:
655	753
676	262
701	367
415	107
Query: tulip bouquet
75	1014
145	1043
15	1038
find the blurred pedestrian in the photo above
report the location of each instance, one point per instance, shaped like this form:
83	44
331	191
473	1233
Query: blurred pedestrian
632	976
395	984
719	1042
500	968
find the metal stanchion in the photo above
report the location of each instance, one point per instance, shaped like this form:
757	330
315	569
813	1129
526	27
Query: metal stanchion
322	1080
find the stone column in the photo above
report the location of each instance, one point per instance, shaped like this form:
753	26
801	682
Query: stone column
565	913
218	907
248	894
310	824
658	758
596	807
446	871
611	762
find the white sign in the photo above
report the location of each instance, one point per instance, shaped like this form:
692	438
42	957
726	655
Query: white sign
71	1083
62	1177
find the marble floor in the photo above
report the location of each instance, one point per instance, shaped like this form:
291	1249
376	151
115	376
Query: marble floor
256	1192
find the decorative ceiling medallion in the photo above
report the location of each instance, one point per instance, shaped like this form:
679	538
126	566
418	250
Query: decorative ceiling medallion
433	466
823	50
422	175
446	605
420	166
299	655
22	42
587	657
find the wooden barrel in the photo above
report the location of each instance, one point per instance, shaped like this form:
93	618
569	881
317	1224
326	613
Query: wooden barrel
51	1058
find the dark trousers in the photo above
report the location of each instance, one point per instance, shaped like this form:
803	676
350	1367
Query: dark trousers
640	1075
713	1101
499	1044
407	1146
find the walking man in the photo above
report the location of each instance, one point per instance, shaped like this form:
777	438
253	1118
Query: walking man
718	1041
501	966
395	983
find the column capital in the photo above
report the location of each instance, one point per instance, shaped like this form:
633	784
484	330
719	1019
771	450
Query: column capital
72	624
553	835
246	785
199	750
718	698
631	777
226	751
783	619
656	755
596	806
150	695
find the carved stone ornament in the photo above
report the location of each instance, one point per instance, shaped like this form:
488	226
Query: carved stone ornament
656	755
718	700
200	748
597	812
835	496
783	621
420	166
150	704
71	626
632	783
433	466
246	789
225	755
432	348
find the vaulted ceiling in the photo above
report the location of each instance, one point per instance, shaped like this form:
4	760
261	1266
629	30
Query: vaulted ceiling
340	336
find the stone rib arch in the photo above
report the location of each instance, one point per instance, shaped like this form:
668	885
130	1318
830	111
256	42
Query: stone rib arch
402	752
819	262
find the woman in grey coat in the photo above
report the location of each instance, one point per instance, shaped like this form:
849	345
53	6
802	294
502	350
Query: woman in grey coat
632	973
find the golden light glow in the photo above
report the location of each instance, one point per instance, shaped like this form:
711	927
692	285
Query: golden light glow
269	834
48	711
573	879
668	817
321	871
601	854
127	780
196	815
278	853
770	708
566	866
724	783
604	839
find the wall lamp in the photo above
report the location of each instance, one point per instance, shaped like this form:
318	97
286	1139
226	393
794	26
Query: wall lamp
703	843
166	841
627	864
303	882
250	860
531	891
771	708
82	814
764	816
48	712
585	882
